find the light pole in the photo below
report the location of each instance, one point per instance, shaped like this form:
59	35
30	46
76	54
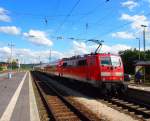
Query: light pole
139	47
40	61
11	48
50	55
144	26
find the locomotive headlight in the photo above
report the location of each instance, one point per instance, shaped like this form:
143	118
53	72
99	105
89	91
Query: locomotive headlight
118	74
105	74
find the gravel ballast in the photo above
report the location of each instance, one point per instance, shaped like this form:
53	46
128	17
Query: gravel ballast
100	109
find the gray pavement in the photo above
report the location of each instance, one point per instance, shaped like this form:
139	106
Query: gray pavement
16	100
7	89
21	110
3	74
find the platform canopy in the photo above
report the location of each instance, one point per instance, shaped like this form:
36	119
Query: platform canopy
144	68
143	63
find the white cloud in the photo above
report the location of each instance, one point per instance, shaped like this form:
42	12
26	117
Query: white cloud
119	47
29	56
123	35
110	49
105	48
33	56
38	37
13	30
79	47
137	20
130	4
4	50
3	15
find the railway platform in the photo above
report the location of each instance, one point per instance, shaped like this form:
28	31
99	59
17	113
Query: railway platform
17	102
139	92
139	87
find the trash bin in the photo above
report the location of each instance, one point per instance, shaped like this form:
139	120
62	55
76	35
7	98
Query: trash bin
9	75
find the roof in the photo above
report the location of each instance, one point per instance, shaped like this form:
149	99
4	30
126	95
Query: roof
143	63
3	64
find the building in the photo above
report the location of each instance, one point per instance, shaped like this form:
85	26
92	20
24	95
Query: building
3	66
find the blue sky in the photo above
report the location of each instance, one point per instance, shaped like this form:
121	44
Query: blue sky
34	25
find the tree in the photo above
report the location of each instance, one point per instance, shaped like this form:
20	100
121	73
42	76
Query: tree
130	57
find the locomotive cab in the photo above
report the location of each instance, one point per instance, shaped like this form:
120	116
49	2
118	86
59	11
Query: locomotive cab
111	72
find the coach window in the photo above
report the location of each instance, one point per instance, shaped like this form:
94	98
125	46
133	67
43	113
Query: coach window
82	62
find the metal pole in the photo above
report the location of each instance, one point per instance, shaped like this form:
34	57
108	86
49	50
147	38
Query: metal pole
11	56
139	47
144	40
11	49
40	61
50	56
144	26
144	74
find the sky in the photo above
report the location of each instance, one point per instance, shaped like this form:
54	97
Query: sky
61	28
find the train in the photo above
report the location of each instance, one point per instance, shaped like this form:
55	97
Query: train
104	71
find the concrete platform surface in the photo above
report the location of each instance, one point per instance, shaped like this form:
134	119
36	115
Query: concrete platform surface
17	102
139	87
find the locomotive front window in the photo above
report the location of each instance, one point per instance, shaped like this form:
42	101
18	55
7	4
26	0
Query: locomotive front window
105	61
111	61
115	60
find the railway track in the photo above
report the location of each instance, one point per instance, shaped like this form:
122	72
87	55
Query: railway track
129	106
61	108
125	104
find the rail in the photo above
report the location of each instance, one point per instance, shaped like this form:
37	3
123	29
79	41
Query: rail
59	106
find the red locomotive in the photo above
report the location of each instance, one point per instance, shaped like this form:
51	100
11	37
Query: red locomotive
103	71
100	70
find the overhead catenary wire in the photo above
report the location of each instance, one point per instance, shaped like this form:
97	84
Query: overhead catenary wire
120	26
46	17
90	12
53	16
102	20
68	15
116	28
99	21
43	15
50	16
110	30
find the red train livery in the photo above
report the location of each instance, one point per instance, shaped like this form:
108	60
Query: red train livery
100	70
